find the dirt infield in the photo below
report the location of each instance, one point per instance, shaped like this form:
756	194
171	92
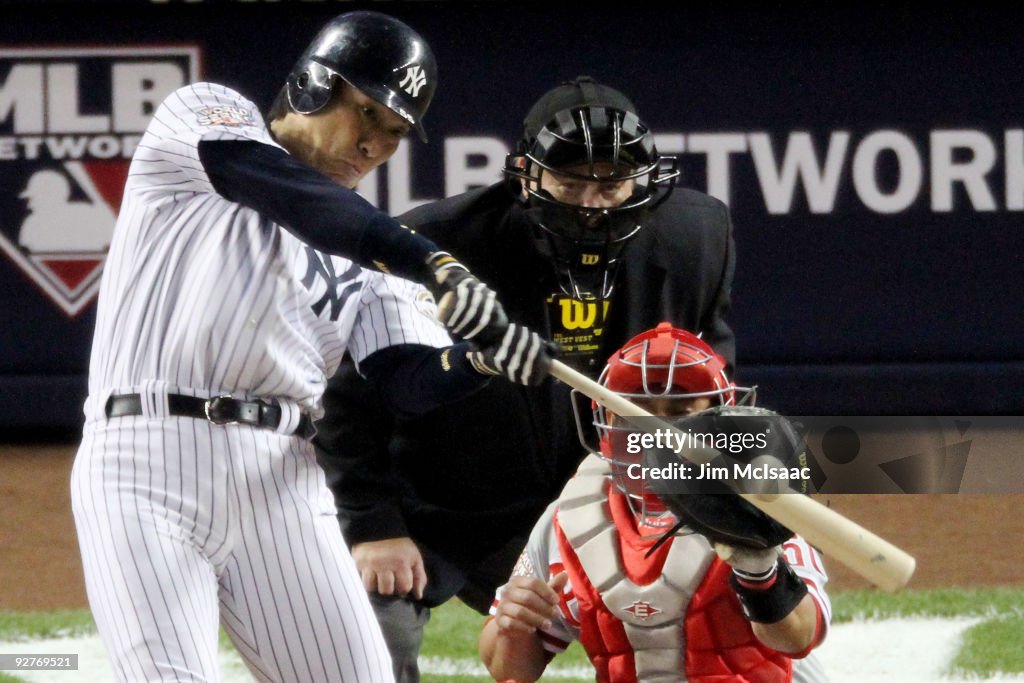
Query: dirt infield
958	540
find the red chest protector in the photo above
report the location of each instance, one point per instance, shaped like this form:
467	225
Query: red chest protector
655	619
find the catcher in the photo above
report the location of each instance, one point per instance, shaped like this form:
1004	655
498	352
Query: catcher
625	571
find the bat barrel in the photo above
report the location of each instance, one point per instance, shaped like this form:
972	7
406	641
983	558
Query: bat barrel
838	537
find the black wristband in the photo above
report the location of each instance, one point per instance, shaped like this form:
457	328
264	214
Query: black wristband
772	602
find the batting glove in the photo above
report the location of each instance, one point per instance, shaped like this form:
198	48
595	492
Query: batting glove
521	356
465	305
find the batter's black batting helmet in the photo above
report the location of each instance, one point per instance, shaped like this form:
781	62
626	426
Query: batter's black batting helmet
378	54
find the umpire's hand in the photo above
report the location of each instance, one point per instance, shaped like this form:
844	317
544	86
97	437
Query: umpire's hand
393	566
520	356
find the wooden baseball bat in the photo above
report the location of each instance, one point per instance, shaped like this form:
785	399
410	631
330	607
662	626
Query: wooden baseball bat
838	537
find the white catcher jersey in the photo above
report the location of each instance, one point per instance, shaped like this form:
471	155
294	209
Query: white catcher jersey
542	558
203	295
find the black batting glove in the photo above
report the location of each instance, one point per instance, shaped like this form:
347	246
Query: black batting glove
468	308
520	356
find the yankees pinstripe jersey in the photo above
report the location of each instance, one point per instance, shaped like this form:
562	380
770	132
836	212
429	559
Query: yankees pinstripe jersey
203	295
187	526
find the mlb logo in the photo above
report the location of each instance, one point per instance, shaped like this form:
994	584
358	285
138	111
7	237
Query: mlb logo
70	119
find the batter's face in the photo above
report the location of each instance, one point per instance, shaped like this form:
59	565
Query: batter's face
347	139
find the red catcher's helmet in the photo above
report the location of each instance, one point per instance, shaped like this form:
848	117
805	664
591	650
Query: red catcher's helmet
666	362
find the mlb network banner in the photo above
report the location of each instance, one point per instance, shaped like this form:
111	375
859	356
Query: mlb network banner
872	160
69	123
887	171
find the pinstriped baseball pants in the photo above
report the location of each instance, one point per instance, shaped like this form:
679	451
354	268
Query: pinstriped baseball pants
184	526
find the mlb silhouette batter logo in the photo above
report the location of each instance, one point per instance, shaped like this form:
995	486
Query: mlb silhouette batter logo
70	120
57	227
57	224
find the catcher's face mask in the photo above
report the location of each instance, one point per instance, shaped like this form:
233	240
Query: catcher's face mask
670	372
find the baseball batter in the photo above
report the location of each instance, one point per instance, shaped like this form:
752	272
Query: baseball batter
603	564
242	268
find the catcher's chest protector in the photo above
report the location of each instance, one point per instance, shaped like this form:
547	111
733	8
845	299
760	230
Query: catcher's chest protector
685	624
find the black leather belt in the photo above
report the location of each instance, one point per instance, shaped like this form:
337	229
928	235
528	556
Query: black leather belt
219	410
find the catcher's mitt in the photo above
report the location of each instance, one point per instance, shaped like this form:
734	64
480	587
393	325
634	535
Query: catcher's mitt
712	508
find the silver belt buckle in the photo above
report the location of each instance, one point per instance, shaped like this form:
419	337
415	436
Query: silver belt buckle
212	404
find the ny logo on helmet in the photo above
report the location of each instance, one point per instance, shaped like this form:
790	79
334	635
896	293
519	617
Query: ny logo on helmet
414	80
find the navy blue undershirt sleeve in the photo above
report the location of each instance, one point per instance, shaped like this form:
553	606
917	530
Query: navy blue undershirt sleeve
414	379
317	210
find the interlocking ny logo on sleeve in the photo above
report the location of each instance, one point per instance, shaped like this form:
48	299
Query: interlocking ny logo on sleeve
414	80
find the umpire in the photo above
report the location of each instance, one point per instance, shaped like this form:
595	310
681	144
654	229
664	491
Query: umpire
584	240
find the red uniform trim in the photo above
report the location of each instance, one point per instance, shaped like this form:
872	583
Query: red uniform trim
633	546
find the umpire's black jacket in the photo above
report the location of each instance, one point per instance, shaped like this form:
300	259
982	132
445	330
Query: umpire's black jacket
465	479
